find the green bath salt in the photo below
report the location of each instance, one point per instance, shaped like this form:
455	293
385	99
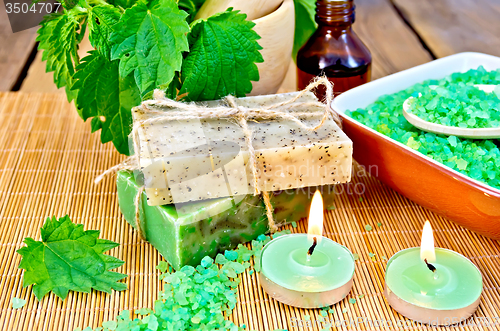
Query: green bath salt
460	105
453	102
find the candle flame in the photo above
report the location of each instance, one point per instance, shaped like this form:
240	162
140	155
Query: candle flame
315	222
427	252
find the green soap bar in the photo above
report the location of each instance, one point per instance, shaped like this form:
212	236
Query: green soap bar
185	233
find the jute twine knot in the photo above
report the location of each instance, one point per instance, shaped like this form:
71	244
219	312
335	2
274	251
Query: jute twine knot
161	109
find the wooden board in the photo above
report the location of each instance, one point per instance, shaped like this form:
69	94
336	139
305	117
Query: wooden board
15	48
453	26
48	162
393	44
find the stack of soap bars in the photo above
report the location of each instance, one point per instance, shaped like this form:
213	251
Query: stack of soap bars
199	188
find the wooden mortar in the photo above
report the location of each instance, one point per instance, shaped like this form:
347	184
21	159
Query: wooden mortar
275	23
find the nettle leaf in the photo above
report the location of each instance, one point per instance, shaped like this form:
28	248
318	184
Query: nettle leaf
106	97
149	40
69	258
122	3
102	18
59	36
66	4
191	7
305	25
121	123
222	57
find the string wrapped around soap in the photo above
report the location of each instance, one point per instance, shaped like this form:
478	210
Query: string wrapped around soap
157	109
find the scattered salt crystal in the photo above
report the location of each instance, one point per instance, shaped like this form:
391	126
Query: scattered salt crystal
110	325
220	259
195	298
207	261
453	141
162	266
231	255
461	164
17	303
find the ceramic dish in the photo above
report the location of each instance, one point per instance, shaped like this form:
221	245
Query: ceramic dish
431	184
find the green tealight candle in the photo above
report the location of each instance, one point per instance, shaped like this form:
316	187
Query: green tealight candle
307	270
432	286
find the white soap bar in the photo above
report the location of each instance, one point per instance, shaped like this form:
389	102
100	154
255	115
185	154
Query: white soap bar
193	160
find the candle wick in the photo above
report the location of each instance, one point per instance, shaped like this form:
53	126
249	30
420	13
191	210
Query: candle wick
430	266
311	249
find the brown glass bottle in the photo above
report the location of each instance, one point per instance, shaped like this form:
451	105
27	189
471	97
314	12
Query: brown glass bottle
334	50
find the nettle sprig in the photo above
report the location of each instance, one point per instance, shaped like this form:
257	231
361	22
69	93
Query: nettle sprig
140	45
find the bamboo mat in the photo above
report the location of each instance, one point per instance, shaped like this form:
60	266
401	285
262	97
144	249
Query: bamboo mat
48	160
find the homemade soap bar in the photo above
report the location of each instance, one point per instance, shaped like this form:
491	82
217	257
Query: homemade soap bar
210	226
195	160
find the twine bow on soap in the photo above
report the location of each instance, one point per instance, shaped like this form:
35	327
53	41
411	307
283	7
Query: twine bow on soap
160	107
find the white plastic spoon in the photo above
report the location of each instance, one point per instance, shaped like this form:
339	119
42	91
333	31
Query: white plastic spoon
482	133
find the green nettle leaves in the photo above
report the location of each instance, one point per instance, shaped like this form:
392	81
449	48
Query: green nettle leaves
102	18
106	97
149	40
103	95
69	258
305	25
222	57
59	36
122	3
140	45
